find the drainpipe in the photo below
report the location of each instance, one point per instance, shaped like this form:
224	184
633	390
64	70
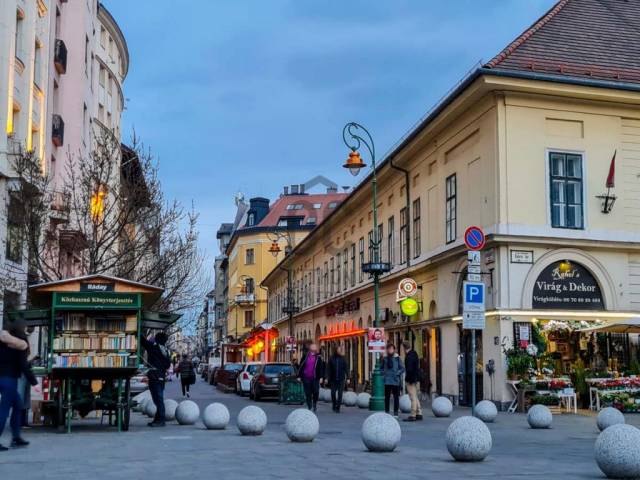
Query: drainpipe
407	188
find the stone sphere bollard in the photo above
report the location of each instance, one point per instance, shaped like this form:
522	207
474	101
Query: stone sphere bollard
405	403
539	416
441	407
142	405
216	416
140	400
325	395
485	411
349	399
617	451
609	416
381	432
302	425
150	409
252	420
170	407
363	400
468	439
187	412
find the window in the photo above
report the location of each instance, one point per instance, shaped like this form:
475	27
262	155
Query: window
378	241
338	272
290	222
416	228
404	223
37	65
19	34
295	206
248	318
326	280
333	204
311	220
451	208
566	190
86	54
361	255
345	268
103	37
318	282
317	206
333	276
390	240
370	237
251	219
14	231
249	256
353	264
249	286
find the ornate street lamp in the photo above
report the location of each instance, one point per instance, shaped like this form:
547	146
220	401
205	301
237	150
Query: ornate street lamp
354	139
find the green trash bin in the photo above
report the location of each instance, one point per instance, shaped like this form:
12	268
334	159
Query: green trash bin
291	390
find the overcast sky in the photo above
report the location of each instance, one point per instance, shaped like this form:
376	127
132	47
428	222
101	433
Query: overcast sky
251	95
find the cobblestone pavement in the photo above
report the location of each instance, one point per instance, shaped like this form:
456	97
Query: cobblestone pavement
191	452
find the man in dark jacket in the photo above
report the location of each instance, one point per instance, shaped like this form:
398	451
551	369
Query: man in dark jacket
311	373
159	360
13	363
336	376
412	380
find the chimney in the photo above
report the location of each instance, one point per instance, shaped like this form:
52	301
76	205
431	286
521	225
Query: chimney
286	190
346	188
302	189
332	189
294	189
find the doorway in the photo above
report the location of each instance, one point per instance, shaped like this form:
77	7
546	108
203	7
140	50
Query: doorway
465	367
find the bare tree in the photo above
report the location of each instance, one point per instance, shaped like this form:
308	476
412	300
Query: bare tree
111	214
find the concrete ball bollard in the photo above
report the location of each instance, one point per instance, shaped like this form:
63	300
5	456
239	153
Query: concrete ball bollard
441	407
609	416
405	403
302	425
216	416
170	407
468	439
349	399
363	400
539	416
381	432
141	406
252	421
187	412
485	411
617	451
150	409
325	395
140	400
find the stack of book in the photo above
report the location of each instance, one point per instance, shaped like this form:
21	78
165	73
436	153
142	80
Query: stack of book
94	341
93	360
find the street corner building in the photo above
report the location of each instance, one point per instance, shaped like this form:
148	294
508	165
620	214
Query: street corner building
540	147
62	69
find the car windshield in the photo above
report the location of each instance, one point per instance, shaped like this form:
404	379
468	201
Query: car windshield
233	366
252	369
278	369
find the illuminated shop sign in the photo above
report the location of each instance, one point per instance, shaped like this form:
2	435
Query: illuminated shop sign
567	285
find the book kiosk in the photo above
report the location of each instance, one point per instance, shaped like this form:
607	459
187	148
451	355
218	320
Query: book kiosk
91	329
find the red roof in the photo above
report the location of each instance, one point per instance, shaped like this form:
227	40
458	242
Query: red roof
597	39
311	206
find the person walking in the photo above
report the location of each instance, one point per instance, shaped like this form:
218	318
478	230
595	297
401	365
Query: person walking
158	359
412	380
392	370
13	363
311	373
336	377
187	374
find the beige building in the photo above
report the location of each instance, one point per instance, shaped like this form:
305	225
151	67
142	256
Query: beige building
523	147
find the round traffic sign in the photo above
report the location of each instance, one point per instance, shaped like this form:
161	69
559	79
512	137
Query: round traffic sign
474	238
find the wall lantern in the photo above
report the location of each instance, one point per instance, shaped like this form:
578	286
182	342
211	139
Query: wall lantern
609	199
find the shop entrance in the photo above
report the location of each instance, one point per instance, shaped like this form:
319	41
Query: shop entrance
465	367
425	360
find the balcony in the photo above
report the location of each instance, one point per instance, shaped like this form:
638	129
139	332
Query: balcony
57	132
245	299
60	57
60	208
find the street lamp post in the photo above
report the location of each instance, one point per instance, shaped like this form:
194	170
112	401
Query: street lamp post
376	267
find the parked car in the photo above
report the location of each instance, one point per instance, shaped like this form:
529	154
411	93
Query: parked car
225	377
266	381
211	375
139	383
243	381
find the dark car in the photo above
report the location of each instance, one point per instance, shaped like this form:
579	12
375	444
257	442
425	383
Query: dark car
225	376
266	380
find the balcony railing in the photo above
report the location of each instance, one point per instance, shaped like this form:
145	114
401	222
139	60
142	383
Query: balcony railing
60	57
57	132
245	298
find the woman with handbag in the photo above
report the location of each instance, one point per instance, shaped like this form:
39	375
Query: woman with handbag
187	374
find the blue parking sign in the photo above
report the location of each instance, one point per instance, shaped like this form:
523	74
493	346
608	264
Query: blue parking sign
473	300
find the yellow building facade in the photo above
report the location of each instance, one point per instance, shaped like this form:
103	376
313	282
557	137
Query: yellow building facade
524	155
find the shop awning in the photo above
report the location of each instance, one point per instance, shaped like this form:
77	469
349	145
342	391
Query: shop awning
158	320
628	325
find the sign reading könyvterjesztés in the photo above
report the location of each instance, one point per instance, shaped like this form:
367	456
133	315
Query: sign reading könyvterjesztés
567	285
103	300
